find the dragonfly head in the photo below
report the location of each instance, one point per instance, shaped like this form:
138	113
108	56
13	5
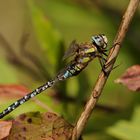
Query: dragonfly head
100	41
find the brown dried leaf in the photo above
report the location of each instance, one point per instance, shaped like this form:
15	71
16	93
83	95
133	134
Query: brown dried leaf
12	91
36	126
131	78
5	127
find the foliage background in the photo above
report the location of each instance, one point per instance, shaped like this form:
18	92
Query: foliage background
50	26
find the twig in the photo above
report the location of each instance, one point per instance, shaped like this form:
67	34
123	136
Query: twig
43	105
131	9
13	58
31	57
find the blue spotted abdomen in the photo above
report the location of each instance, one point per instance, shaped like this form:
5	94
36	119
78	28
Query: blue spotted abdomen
72	70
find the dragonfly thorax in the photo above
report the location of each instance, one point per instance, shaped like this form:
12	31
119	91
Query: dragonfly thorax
86	53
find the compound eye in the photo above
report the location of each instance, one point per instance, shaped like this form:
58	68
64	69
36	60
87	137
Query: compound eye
96	40
100	41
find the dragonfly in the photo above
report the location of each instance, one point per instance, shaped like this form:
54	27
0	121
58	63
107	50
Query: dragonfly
81	54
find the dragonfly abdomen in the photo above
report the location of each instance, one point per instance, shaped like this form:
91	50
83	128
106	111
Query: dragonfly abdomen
73	70
26	98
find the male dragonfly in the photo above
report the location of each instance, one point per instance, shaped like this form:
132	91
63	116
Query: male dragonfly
82	54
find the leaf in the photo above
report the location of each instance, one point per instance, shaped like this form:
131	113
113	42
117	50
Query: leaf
48	37
12	91
5	127
131	78
36	126
128	130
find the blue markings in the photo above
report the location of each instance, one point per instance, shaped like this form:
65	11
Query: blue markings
82	55
67	74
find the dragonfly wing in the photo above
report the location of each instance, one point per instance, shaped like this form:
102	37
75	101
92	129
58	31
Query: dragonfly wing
73	47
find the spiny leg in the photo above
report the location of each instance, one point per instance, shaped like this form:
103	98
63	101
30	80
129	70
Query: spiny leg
105	66
108	64
102	61
112	47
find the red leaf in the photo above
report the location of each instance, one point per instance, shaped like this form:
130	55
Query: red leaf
5	127
131	78
12	91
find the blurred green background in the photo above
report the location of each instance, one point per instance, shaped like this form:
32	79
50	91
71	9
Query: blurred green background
34	35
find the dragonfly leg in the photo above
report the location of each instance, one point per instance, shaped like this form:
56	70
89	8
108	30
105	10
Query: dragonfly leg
104	66
108	64
102	61
104	69
113	46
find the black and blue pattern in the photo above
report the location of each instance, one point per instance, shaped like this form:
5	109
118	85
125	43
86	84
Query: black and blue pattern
83	54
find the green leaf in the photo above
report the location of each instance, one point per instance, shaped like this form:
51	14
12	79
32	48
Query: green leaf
128	130
48	37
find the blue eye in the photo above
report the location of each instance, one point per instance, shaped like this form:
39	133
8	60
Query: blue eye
100	41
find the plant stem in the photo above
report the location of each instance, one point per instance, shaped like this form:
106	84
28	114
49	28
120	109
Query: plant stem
96	92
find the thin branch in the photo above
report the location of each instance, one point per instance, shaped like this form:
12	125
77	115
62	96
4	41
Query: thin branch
13	58
31	57
43	105
81	123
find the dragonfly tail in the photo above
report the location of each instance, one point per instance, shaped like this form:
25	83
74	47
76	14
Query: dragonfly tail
26	98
